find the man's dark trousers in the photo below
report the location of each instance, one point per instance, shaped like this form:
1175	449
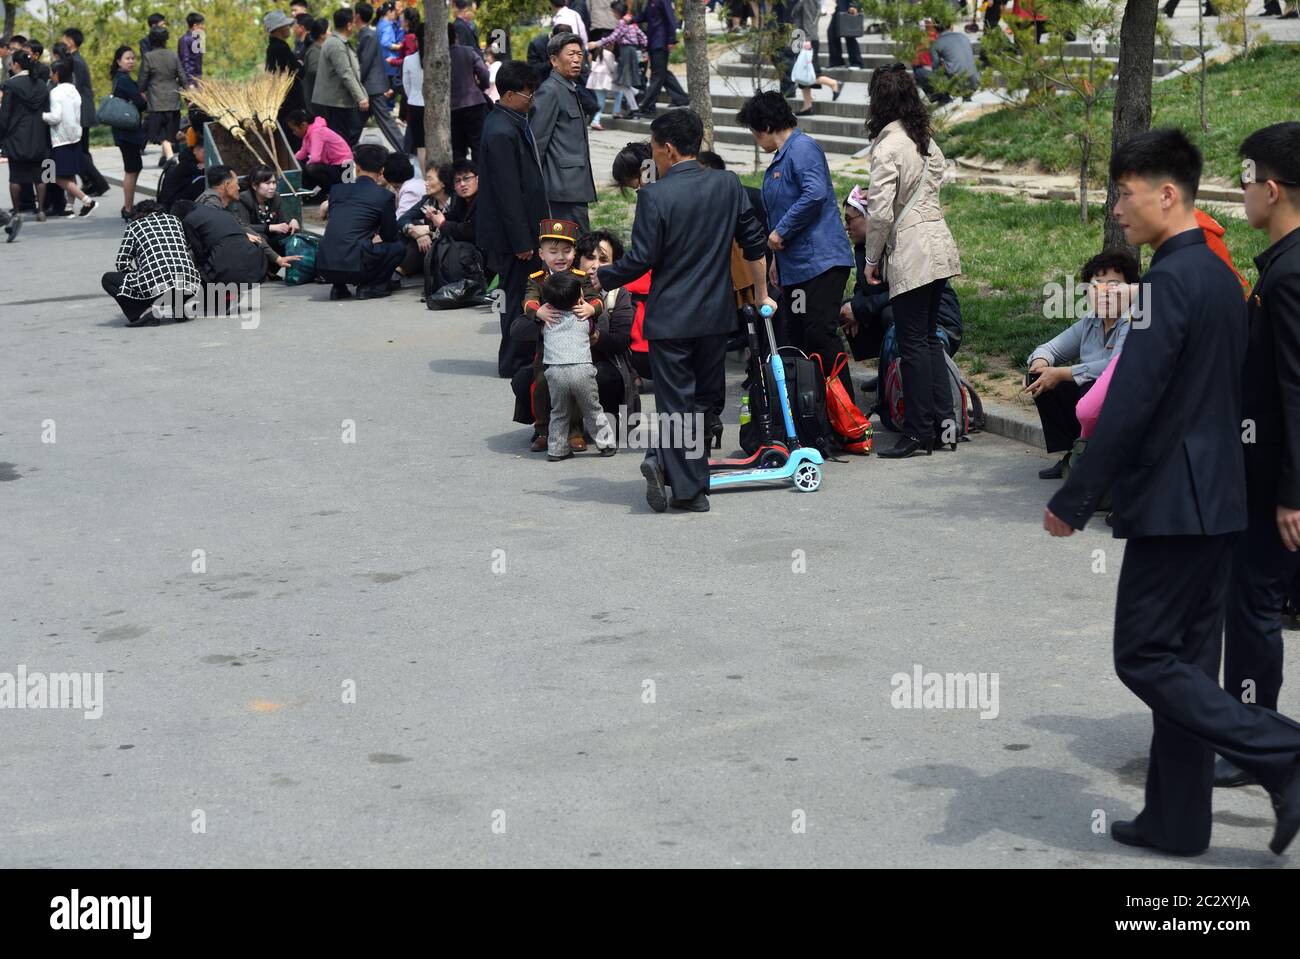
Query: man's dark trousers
381	110
1168	619
1262	572
92	181
378	261
577	212
661	76
514	272
347	122
1056	412
684	371
467	131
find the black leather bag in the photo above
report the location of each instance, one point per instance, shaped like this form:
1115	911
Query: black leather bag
850	25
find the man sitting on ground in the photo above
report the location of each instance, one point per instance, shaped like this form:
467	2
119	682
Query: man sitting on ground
223	249
360	212
1063	369
954	62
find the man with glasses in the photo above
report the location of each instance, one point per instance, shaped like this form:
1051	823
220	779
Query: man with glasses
1266	557
512	200
1064	368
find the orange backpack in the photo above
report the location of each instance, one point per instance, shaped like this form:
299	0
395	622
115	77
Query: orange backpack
850	424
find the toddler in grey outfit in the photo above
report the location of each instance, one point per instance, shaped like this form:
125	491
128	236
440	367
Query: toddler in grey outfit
566	360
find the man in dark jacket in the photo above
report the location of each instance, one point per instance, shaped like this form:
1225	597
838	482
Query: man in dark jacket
1168	445
685	224
1265	560
23	134
373	76
560	126
224	250
511	202
280	57
92	181
359	211
184	179
660	24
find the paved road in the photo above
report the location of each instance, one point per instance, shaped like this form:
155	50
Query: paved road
499	618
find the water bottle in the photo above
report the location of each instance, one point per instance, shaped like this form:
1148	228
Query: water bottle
745	416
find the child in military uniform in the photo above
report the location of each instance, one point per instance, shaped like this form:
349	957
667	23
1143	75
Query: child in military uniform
556	245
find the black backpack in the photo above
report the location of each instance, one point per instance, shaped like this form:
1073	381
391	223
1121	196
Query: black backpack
453	275
806	388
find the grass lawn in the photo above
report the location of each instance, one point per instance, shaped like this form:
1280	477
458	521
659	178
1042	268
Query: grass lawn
1242	96
1010	247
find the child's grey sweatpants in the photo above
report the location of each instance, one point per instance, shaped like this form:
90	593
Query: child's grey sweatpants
577	380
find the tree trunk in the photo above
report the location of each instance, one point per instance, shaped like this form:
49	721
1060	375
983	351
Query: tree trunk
1132	113
697	68
1200	43
437	82
11	12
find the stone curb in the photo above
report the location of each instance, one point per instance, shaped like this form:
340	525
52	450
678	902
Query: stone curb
1014	424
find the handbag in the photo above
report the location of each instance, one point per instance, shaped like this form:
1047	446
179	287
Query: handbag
117	113
304	271
850	25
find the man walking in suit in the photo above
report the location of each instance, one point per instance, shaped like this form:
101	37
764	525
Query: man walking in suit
511	201
374	78
359	211
560	125
92	181
660	25
685	224
338	95
1265	560
1168	443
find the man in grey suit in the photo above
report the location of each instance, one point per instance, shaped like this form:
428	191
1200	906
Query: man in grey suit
685	224
374	78
338	95
559	125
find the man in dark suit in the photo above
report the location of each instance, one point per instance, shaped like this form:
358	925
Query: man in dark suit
358	212
660	24
1265	561
560	126
373	76
685	224
1168	443
224	250
511	202
92	181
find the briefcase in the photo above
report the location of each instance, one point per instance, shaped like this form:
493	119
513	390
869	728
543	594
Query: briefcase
850	24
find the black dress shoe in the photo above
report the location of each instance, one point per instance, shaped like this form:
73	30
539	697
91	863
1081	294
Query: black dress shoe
905	447
340	291
697	504
1287	806
1229	776
372	292
147	320
1055	470
655	493
1126	832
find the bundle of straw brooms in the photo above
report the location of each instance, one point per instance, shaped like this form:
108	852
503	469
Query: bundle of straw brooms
246	110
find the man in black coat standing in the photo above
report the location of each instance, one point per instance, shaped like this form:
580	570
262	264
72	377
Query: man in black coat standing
92	181
280	57
358	212
511	202
1265	560
685	224
1168	443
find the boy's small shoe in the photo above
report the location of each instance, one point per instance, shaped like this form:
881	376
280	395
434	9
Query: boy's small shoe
609	451
577	443
555	459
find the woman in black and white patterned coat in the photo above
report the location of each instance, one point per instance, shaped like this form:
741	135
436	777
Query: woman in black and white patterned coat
153	267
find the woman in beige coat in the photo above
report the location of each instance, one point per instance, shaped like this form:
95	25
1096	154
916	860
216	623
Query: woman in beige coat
909	245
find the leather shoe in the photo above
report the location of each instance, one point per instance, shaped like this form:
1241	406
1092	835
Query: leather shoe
340	292
556	459
905	447
1055	470
699	503
577	443
1126	832
538	444
1287	806
655	493
1229	776
372	292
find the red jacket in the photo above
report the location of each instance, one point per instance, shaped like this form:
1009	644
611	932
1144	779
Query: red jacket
639	289
1214	240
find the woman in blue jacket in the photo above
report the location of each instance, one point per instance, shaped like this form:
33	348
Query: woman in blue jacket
813	257
129	142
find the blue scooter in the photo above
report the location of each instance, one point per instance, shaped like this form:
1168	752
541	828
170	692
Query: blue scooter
803	467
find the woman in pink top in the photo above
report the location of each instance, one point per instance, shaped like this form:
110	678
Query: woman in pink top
323	154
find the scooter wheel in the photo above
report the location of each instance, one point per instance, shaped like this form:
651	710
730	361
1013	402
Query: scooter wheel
807	478
771	460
